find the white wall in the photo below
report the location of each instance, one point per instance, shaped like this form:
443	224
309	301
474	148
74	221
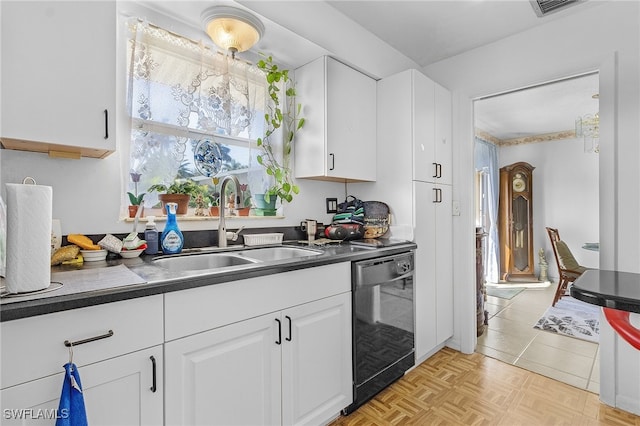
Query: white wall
86	194
565	196
583	41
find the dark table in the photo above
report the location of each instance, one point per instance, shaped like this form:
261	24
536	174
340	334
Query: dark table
611	289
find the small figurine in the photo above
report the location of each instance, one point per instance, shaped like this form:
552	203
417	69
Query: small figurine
231	203
200	205
544	266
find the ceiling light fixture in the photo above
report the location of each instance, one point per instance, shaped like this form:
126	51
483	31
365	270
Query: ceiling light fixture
588	128
232	29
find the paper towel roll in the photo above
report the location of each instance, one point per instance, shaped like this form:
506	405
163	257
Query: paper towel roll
29	213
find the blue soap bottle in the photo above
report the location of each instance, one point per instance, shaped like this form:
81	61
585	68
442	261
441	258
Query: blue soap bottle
171	239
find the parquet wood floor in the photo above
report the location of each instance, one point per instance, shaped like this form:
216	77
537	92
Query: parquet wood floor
452	388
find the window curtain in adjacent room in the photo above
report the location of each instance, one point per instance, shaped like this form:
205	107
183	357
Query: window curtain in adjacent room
178	92
486	160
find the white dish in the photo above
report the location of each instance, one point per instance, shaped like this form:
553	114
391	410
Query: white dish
93	255
128	254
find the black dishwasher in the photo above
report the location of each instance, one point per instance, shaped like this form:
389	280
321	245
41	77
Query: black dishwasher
383	324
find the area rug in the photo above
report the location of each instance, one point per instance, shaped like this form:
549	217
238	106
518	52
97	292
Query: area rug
571	317
516	284
503	293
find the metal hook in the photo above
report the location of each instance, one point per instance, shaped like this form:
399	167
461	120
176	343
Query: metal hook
70	353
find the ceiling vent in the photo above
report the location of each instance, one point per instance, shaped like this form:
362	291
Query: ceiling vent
545	7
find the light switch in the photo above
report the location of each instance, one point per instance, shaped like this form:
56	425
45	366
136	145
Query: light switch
332	205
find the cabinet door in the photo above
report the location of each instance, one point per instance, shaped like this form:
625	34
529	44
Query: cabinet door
442	140
351	125
338	140
58	75
434	273
309	147
316	358
424	163
226	376
116	391
443	260
425	264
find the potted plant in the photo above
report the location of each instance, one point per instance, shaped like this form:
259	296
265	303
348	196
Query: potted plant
180	192
135	203
214	204
244	209
135	200
283	113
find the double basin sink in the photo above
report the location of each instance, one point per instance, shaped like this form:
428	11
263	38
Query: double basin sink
233	258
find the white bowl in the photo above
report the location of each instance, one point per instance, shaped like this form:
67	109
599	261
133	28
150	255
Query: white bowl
93	255
128	254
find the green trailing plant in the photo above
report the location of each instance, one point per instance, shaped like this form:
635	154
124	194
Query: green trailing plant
282	113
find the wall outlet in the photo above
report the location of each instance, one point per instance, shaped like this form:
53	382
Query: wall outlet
332	205
455	208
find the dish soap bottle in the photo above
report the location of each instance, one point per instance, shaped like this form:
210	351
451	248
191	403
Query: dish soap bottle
151	236
171	239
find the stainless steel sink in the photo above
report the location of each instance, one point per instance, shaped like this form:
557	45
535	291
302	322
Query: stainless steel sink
238	258
269	254
197	262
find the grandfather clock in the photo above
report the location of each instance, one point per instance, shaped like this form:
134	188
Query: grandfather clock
515	221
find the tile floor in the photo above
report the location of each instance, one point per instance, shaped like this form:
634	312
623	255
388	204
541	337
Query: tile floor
511	338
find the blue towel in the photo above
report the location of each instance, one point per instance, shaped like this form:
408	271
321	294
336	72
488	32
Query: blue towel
71	411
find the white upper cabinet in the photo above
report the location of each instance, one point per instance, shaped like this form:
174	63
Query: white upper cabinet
442	130
338	140
58	77
432	130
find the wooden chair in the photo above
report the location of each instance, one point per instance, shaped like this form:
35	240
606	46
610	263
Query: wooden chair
568	267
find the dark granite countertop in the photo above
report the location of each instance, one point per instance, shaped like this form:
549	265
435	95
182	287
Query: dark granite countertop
611	289
95	291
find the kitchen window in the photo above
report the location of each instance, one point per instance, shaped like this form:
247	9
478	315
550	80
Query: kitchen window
181	92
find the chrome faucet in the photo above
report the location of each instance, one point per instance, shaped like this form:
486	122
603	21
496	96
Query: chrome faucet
222	228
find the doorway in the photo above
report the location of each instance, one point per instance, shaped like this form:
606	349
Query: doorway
545	127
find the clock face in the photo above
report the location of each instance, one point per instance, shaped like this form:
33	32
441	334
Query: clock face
519	184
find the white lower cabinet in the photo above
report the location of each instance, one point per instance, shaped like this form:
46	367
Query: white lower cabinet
316	360
117	366
126	390
434	273
288	367
226	376
267	350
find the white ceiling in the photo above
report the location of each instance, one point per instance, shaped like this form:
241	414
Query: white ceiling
413	33
550	108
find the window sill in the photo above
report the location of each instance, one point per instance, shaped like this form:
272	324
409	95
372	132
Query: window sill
191	217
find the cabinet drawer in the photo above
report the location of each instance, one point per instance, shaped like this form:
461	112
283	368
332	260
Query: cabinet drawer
34	347
204	308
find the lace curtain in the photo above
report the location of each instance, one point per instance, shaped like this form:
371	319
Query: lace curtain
178	92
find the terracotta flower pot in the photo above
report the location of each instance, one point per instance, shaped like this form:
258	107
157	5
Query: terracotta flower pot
181	199
244	211
134	209
214	211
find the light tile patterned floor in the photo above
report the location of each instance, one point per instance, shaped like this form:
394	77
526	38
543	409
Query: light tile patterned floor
511	338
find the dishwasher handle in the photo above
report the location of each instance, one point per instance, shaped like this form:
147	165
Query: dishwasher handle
360	284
